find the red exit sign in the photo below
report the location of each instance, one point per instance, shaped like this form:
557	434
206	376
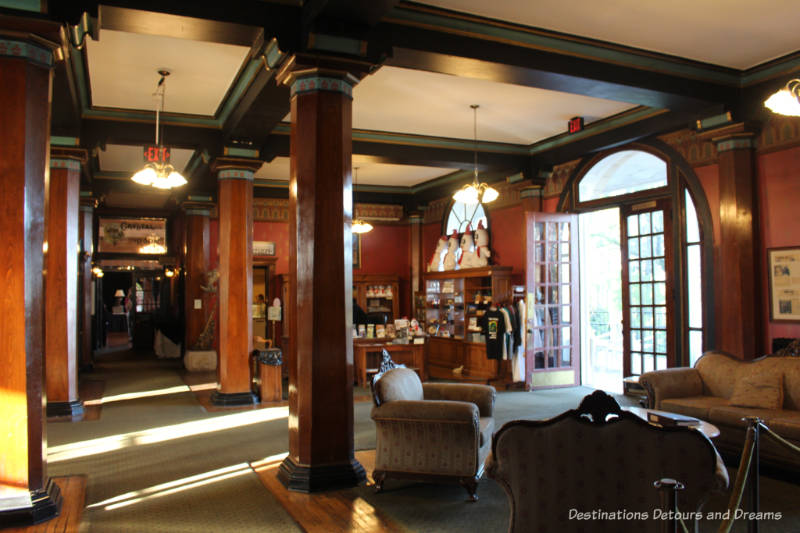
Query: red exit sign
575	124
156	154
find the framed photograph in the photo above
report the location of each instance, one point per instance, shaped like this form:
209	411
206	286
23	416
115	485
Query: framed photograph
147	236
783	265
356	250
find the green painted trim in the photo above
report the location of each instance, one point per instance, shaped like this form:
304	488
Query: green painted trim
20	49
439	142
199	198
149	116
735	144
596	128
69	164
274	184
112	175
573	46
716	120
199	212
235	174
86	194
335	43
239	88
56	140
314	83
234	151
515	178
23	5
273	54
79	73
788	67
193	164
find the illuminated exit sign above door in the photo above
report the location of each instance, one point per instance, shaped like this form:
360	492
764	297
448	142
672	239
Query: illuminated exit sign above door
156	154
575	124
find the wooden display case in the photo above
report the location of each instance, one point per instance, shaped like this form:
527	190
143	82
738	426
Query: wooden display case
449	299
378	293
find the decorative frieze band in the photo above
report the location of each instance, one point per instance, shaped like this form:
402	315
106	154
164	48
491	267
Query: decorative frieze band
313	84
69	164
235	174
22	49
736	143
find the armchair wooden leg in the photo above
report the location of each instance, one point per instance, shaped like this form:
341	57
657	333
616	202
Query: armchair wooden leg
379	477
471	486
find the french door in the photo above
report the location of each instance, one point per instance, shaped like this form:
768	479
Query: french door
552	340
647	264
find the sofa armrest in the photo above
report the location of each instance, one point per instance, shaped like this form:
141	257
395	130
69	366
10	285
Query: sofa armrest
425	410
671	383
481	395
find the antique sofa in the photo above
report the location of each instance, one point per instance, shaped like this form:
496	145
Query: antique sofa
594	469
722	389
433	432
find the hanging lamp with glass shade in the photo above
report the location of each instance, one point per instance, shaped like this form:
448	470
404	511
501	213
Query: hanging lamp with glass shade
475	192
158	172
786	101
359	226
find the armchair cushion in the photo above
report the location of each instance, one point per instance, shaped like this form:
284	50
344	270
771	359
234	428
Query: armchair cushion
425	410
696	406
481	395
398	384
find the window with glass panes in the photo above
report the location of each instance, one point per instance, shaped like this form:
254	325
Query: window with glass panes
694	271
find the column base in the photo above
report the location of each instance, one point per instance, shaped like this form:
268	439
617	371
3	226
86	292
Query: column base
46	505
73	409
304	478
225	399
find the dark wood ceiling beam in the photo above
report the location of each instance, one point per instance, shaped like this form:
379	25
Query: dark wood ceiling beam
96	132
473	57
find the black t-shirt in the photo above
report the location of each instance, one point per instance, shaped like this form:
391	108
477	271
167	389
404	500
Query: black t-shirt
494	328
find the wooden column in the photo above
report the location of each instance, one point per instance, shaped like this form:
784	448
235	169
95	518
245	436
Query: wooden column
196	264
26	494
85	228
61	284
320	297
235	292
418	266
736	266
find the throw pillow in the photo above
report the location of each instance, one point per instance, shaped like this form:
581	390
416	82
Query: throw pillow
764	392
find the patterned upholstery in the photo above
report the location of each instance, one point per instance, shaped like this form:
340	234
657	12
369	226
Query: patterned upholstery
707	391
554	469
433	432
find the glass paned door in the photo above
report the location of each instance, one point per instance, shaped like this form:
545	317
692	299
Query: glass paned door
552	345
647	288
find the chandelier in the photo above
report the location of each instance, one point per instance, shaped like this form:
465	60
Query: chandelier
158	172
475	193
153	246
787	100
359	226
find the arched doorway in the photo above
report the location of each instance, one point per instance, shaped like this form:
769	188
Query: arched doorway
645	261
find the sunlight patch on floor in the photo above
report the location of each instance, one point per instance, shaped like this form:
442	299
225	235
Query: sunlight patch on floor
136	395
86	448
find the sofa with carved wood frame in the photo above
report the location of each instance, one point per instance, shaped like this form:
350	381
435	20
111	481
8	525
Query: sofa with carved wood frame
722	389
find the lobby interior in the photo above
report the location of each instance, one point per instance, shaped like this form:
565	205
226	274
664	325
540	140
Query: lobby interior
271	110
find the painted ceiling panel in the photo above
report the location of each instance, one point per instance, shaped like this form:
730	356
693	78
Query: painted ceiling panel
123	158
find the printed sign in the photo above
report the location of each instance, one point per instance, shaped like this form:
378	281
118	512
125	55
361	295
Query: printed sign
263	248
132	235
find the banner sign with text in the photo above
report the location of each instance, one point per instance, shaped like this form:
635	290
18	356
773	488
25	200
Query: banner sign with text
132	235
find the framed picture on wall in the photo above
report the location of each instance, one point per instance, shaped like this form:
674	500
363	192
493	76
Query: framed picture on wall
783	265
356	250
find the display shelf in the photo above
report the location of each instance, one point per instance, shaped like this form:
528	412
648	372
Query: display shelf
450	303
378	295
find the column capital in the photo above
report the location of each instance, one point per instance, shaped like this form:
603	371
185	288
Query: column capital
235	167
531	191
198	205
88	202
304	74
737	136
416	218
71	158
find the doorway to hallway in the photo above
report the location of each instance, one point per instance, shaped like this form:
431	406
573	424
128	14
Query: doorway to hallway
601	300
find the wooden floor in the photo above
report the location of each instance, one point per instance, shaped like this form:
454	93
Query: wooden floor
203	384
73	494
90	392
328	512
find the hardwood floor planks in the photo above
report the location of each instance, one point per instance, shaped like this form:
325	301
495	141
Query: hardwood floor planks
73	494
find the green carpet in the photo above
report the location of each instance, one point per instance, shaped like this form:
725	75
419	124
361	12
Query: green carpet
160	462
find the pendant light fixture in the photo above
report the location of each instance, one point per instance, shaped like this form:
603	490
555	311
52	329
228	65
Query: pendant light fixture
359	226
475	193
158	172
787	100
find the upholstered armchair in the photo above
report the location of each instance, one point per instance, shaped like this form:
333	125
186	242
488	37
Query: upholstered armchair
433	432
594	469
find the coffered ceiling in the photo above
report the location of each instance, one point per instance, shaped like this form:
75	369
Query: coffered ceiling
629	68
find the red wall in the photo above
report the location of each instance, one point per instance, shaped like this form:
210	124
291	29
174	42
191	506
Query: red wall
779	194
386	250
779	197
430	234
